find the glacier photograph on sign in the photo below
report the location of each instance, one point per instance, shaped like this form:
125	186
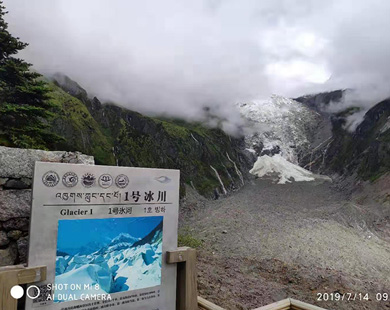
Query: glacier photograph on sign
105	247
102	233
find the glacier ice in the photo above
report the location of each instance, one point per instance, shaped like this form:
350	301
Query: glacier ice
86	276
283	171
126	263
281	122
61	265
282	127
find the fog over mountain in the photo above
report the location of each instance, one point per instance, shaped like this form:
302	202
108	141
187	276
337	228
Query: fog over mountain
175	58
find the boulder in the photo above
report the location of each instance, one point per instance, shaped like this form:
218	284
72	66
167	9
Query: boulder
18	183
22	224
19	163
3	238
14	204
14	234
8	255
22	244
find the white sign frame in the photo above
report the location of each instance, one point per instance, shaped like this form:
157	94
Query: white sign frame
63	192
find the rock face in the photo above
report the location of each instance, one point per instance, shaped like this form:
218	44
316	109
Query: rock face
16	172
364	152
371	141
319	101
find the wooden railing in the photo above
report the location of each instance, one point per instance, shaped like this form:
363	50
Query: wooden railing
187	295
207	305
14	275
285	304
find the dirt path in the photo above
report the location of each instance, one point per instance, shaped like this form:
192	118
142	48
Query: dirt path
268	242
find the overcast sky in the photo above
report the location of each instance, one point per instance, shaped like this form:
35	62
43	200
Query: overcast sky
176	56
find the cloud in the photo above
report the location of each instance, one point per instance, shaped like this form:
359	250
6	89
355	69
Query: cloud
177	57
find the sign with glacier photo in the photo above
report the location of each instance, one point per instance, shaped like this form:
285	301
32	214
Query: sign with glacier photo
103	233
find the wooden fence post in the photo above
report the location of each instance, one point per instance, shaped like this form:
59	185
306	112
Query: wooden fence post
14	275
187	292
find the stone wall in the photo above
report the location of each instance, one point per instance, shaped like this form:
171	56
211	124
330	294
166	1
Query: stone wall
16	172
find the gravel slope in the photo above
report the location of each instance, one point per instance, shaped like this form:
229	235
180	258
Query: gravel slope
268	242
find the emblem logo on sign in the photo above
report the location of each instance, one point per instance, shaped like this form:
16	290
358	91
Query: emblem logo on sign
163	179
105	180
70	179
88	180
50	178
122	181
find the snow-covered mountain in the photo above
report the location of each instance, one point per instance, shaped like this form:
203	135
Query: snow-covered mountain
127	263
279	125
120	242
86	249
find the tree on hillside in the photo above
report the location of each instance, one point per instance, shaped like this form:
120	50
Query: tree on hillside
24	98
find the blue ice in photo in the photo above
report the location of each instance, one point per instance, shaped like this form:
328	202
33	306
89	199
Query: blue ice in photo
105	256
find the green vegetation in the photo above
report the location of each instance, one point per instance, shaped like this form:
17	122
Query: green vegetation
81	131
187	240
375	177
141	141
24	98
174	130
348	111
175	144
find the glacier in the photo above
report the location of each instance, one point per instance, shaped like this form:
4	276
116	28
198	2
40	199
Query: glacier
280	130
279	168
279	122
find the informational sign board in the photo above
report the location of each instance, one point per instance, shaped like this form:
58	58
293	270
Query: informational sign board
103	233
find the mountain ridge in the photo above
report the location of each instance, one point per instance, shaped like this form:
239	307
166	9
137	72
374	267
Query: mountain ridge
127	138
364	152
